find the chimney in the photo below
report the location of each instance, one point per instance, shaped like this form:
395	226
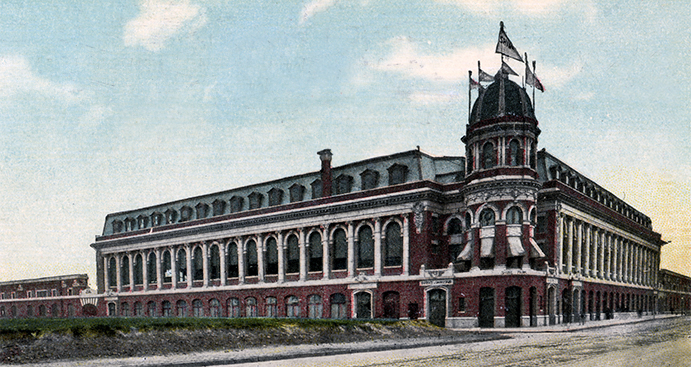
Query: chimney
325	156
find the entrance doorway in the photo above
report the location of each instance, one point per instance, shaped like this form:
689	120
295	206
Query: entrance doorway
437	307
363	301
391	306
513	307
486	307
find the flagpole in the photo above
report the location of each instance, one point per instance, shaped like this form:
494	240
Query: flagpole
535	75
470	87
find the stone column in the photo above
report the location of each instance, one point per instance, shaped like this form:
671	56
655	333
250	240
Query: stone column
601	254
261	253
106	280
578	227
174	267
377	247
281	257
561	259
131	263
145	271
406	245
587	270
159	269
351	251
241	260
188	252
569	247
303	255
205	264
118	272
326	252
625	265
223	254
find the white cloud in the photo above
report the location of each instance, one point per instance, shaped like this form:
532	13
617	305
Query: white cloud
526	7
314	7
159	20
16	76
556	77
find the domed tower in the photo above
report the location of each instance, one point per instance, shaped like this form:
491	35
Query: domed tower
501	185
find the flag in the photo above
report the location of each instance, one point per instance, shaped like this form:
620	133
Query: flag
505	70
504	45
484	77
474	84
532	79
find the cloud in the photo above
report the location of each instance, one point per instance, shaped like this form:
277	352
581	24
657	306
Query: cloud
526	7
16	76
314	7
159	20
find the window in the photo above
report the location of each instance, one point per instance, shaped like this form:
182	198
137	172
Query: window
157	219
124	309
142	221
125	271
151	268
202	210
454	227
30	311
271	259
250	307
138	274
470	161
315	307
315	252
219	207
181	265
171	216
138	309
369	179
398	174
338	306
363	302
461	304
340	250
117	226
233	305
215	263
181	307
275	196
343	184
515	154
255	199
232	261
292	306
111	309
541	224
236	204
214	308
185	213
365	248
271	309
393	245
251	259
41	294
514	215
198	264
489	157
316	189
198	308
293	257
297	193
151	309
468	221
487	217
42	311
167	267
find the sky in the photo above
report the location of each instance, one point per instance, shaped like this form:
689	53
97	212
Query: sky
107	106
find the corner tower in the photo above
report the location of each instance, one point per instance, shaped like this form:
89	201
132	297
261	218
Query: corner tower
501	184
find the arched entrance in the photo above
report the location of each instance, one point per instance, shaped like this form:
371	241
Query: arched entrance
363	302
391	305
437	307
486	317
566	307
512	304
551	301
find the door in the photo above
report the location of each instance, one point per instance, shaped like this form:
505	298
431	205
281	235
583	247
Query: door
363	301
513	307
486	318
437	307
391	306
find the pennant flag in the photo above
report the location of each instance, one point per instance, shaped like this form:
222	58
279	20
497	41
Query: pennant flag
505	70
474	84
504	45
484	77
532	79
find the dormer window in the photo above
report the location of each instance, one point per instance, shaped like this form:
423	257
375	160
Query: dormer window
142	221
255	200
171	216
236	204
398	174
344	184
185	213
157	219
117	226
219	207
202	210
275	196
297	193
316	189
369	179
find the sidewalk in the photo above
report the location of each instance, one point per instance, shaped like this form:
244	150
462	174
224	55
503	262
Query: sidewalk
284	352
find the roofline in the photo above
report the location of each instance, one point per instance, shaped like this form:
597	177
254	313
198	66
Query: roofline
44	279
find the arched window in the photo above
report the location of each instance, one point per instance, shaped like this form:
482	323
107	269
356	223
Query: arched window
363	301
124	309
232	261
489	156
151	309
515	156
514	215
293	252
198	308
138	309
393	246
250	307
198	264
167	267
533	156
468	221
125	270
292	306
138	274
471	161
365	248
30	311
111	309
271	307
54	310
251	259
338	306
215	263
181	265
42	311
112	272
214	308
339	250
181	308
167	308
315	307
454	227
316	253
271	257
233	305
151	268
486	217
369	179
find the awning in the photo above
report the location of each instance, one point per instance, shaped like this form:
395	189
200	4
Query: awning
515	246
467	253
535	251
487	247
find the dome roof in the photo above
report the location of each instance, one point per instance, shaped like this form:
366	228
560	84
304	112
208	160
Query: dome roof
503	98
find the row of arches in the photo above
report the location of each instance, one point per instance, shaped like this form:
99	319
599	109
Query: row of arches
47	310
277	254
488	155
